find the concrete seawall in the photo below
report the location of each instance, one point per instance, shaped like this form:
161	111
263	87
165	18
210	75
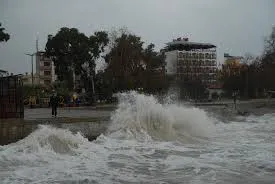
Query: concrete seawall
14	130
90	123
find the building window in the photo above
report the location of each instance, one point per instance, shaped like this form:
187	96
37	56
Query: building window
47	82
47	64
213	56
213	62
184	55
181	69
47	72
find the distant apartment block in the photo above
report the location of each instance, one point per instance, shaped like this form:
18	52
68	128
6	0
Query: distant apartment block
191	61
3	73
45	69
27	79
232	61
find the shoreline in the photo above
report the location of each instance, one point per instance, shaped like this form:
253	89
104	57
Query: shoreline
94	121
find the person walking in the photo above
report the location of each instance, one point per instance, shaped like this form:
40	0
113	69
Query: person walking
235	99
54	100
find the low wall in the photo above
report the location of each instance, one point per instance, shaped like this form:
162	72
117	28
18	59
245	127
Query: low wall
12	130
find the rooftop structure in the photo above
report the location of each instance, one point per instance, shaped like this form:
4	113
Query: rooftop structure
184	44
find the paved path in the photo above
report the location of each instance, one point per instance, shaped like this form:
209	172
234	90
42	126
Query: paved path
104	111
45	113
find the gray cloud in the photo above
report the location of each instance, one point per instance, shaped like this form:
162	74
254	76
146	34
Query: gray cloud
234	26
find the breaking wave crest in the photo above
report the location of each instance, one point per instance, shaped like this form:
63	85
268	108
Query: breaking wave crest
142	117
49	139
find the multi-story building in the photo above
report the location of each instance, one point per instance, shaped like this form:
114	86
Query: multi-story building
3	73
191	61
45	69
28	79
232	64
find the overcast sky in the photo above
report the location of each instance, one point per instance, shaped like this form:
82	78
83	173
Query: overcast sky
235	26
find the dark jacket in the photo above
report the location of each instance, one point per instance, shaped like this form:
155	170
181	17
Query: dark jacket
54	101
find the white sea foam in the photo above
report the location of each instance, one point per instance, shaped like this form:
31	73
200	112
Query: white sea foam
142	147
142	116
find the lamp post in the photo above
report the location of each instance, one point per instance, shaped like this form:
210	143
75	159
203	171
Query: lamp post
32	63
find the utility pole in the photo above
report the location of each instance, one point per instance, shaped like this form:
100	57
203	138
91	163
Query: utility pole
32	64
247	75
36	44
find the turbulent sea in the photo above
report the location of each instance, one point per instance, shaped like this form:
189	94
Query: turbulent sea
148	142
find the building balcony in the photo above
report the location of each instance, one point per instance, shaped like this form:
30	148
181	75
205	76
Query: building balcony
45	68
46	77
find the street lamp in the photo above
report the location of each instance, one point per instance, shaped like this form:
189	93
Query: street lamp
32	63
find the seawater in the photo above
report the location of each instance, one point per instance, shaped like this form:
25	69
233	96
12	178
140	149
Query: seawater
148	142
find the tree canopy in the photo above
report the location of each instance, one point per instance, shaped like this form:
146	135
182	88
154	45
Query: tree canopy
131	67
125	61
270	43
74	52
255	75
3	36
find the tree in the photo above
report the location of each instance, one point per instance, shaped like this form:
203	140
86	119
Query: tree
125	63
268	61
246	77
155	78
103	86
270	42
75	53
255	74
61	88
131	67
233	76
3	36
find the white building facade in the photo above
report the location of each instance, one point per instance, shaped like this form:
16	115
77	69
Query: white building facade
190	61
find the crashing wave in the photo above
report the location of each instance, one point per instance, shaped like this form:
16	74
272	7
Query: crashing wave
143	117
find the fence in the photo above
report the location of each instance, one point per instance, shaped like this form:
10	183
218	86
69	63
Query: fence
11	97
